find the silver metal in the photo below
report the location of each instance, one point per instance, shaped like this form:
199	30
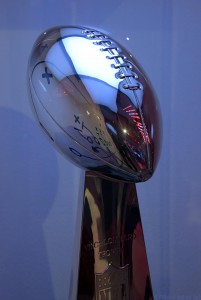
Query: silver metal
113	261
99	109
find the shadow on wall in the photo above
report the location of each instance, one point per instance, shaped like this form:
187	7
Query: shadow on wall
26	197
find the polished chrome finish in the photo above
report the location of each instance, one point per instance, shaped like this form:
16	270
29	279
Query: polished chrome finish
94	102
113	261
109	48
116	56
103	41
131	86
80	102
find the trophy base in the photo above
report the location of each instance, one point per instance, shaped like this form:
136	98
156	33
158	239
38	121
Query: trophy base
113	261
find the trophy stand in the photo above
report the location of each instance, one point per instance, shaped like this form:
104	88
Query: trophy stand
113	260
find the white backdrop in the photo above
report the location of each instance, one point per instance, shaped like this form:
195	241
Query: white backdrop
39	187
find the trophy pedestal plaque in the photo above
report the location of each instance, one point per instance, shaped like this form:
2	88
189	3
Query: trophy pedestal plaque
113	261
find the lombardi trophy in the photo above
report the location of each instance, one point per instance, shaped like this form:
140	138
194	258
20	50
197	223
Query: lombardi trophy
96	105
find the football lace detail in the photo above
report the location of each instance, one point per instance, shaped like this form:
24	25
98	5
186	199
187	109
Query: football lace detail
121	63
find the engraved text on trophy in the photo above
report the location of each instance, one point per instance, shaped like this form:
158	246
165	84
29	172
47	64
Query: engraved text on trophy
112	284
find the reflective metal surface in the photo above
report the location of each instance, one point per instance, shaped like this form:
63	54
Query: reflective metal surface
94	102
113	261
98	108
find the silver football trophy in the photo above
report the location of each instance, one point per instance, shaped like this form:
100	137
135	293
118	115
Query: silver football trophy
98	108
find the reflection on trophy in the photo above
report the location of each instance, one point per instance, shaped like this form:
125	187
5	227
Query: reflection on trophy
97	107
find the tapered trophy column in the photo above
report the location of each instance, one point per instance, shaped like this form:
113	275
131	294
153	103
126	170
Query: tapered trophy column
97	107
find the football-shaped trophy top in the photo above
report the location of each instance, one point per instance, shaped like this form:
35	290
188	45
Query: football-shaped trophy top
95	103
